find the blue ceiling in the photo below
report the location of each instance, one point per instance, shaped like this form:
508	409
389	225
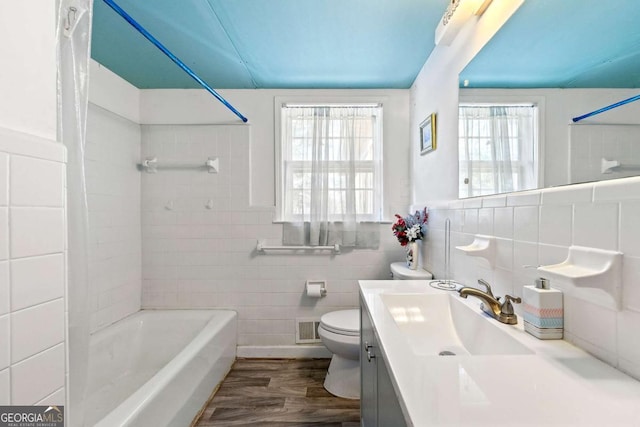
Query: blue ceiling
565	44
363	43
269	43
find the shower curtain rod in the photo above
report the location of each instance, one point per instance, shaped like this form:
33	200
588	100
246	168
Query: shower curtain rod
607	108
171	56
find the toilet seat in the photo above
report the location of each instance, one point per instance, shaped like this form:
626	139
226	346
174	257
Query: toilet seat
342	322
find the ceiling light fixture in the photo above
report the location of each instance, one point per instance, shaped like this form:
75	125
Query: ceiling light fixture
457	14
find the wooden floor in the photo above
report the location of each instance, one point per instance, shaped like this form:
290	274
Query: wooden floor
278	392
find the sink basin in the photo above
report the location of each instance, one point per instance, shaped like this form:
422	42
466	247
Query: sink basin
441	324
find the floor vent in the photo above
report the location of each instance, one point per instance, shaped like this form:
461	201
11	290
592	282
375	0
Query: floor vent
307	331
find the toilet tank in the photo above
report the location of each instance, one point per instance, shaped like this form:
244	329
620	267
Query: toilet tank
400	271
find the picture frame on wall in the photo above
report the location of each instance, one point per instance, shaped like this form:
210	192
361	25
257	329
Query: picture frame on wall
428	134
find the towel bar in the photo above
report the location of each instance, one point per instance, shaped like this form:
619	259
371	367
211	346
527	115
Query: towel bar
261	247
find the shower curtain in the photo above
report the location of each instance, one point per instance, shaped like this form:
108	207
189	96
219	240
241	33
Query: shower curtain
73	49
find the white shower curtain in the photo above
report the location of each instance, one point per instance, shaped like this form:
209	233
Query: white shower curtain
73	46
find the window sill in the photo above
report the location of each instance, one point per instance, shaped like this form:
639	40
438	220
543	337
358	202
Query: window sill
384	221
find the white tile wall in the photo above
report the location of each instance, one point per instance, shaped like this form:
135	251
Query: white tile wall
601	215
36	231
36	328
589	144
4	287
113	191
5	387
525	223
44	188
631	272
485	221
32	279
198	257
37	280
602	236
4	179
556	225
5	335
53	398
503	222
37	377
630	223
4	233
628	342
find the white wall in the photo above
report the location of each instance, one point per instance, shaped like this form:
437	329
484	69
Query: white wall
537	228
32	228
112	93
435	90
28	83
559	106
534	227
591	145
199	107
197	257
32	270
113	194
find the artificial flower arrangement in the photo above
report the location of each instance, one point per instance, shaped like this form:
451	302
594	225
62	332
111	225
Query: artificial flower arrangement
411	228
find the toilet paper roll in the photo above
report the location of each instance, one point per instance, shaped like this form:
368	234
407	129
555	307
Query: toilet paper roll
315	289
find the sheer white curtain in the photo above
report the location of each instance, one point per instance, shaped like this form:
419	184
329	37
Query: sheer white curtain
498	149
331	174
503	130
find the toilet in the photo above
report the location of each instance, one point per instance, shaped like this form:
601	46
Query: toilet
400	271
340	333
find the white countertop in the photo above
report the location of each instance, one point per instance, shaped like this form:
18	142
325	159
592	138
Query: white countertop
558	385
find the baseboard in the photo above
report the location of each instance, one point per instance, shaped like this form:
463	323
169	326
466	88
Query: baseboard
284	352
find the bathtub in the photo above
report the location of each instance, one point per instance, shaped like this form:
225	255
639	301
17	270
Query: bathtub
158	367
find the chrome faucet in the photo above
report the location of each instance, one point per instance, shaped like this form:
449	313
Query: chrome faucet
502	312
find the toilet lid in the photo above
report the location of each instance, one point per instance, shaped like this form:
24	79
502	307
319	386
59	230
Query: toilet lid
343	322
400	271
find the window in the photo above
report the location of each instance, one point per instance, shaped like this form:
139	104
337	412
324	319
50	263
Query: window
498	148
330	162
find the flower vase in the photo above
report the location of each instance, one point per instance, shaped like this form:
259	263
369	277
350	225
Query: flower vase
413	254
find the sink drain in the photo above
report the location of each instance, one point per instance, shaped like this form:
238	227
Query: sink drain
446	353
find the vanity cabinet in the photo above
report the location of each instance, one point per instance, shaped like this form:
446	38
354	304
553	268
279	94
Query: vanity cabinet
368	371
379	405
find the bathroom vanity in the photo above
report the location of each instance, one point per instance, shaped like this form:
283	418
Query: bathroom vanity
431	358
378	400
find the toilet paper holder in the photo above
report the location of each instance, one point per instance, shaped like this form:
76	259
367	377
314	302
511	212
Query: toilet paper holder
316	288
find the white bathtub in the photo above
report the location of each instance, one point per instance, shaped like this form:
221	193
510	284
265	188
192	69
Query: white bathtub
158	367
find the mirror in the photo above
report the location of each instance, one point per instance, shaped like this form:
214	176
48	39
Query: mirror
568	58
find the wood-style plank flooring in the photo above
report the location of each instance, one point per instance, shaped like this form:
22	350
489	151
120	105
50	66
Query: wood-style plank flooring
278	393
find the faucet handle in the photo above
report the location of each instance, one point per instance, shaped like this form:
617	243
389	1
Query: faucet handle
506	307
486	285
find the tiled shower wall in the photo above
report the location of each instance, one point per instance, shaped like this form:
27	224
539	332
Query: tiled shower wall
113	193
200	233
32	270
589	144
537	228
